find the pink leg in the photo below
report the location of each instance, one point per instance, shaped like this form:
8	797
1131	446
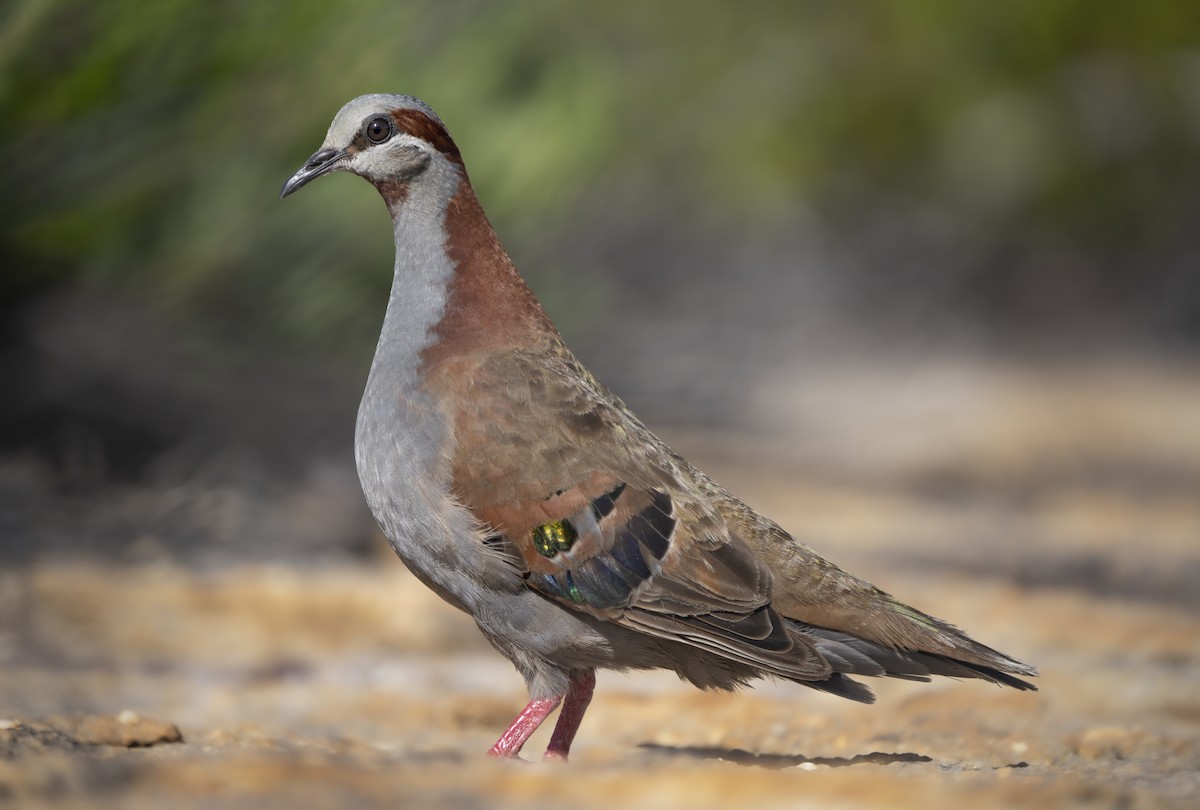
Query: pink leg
579	695
527	722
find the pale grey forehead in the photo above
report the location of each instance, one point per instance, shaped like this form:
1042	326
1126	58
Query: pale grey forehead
348	120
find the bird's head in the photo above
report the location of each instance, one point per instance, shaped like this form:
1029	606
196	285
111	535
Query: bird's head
388	139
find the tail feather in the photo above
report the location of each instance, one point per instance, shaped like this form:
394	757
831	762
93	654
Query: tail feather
838	684
856	656
1001	677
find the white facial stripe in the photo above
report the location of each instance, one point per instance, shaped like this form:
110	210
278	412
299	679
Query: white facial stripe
391	158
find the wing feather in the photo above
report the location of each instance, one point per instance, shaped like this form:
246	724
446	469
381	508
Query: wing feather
605	519
556	459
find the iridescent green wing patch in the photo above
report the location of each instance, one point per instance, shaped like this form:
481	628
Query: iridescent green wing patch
551	538
608	575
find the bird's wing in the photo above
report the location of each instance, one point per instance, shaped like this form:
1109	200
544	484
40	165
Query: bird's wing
606	520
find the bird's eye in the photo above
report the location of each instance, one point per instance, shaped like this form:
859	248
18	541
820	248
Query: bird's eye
378	129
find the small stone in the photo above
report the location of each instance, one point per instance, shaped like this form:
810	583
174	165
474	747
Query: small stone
120	731
807	766
1019	747
128	717
5	725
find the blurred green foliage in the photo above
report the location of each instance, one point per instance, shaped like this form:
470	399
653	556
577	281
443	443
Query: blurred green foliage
144	143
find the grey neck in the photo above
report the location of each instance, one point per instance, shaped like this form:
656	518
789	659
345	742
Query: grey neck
403	438
422	273
401	435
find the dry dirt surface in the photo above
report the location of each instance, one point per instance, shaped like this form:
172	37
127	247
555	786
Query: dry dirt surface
351	685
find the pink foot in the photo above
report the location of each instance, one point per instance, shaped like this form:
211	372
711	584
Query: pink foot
527	722
579	695
575	703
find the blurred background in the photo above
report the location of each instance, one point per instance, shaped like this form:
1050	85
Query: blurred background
825	221
920	279
842	227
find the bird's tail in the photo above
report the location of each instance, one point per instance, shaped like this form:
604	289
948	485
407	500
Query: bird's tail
910	645
856	656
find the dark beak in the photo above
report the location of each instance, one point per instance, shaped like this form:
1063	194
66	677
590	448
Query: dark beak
323	162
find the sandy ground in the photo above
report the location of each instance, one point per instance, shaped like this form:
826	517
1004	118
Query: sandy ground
297	685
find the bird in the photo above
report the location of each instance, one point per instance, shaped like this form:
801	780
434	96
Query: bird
518	488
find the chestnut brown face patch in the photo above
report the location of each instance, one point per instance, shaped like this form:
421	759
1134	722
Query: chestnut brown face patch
420	125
